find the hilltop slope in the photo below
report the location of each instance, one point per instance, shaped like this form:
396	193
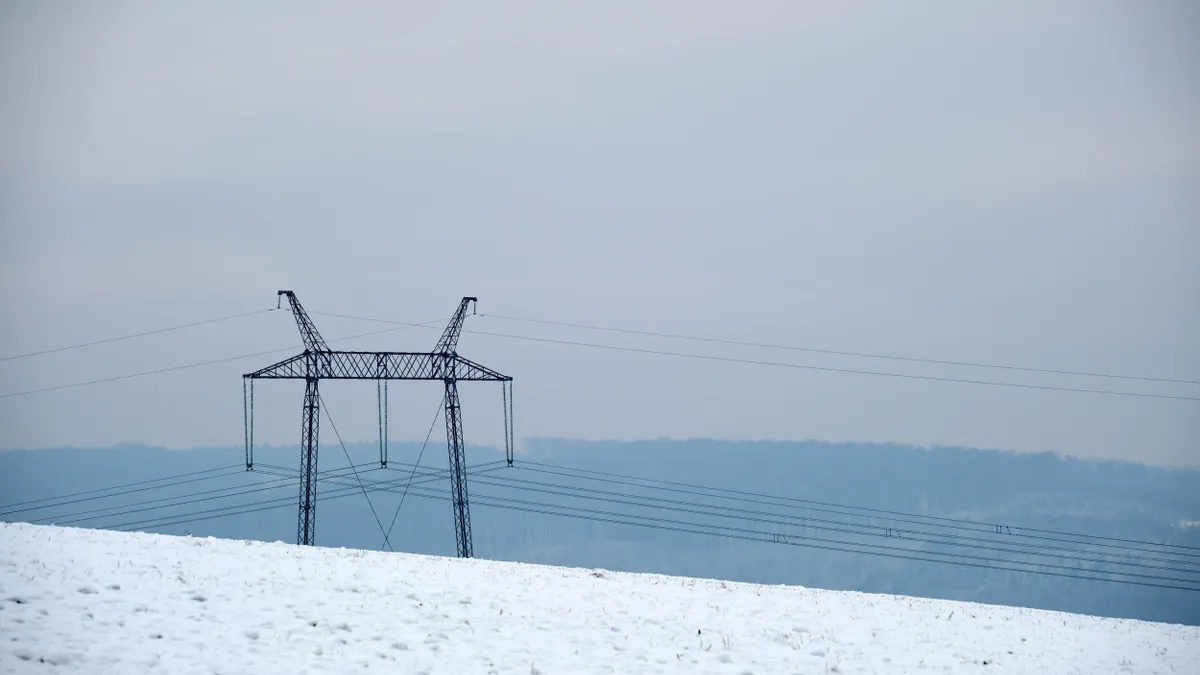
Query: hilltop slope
93	601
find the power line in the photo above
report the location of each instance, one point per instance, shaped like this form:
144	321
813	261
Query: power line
424	473
158	371
613	479
134	335
552	488
267	505
823	543
115	487
839	525
104	511
189	499
830	525
195	365
849	371
792	540
437	413
659	523
1118	542
279	481
776	364
490	480
227	511
892	357
107	511
126	492
325	407
797	366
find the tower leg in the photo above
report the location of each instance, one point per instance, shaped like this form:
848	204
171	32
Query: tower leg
458	468
307	525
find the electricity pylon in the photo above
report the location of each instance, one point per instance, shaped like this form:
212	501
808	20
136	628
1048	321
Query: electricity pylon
319	362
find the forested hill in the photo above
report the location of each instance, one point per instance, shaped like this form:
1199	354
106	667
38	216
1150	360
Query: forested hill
1109	499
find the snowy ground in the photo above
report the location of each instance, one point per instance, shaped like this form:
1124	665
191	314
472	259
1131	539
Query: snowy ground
98	602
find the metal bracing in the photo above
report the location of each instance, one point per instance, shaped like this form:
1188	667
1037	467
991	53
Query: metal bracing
458	471
449	340
423	366
313	342
307	524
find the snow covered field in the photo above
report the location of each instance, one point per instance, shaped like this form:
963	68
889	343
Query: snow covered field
99	602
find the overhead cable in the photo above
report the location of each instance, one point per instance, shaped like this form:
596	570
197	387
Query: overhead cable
798	366
134	335
814	350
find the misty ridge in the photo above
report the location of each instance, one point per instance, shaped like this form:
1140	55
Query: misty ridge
1045	490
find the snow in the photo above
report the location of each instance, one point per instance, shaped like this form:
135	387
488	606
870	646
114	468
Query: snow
91	601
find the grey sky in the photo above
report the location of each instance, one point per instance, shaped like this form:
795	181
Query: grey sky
1008	182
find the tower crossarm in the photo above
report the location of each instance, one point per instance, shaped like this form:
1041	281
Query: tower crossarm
348	365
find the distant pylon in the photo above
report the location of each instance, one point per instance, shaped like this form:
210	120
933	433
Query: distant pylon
319	362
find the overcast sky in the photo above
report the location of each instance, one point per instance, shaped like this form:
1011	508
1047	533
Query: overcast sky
1013	182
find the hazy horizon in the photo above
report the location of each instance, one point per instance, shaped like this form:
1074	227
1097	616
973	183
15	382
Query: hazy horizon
524	446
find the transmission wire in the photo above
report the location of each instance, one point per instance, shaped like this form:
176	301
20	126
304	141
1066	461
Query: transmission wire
268	485
118	494
134	335
437	413
769	537
1021	531
684	526
197	364
325	407
797	366
741	343
271	504
878	531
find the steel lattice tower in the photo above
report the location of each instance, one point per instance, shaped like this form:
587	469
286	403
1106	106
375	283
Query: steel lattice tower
318	362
